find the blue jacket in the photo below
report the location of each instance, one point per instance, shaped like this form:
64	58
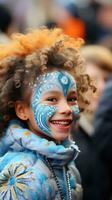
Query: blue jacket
24	174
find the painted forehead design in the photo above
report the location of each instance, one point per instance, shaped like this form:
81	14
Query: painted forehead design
57	80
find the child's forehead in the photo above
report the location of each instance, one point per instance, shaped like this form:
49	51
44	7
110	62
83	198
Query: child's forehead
63	77
56	80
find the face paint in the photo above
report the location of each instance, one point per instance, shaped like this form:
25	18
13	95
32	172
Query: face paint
53	81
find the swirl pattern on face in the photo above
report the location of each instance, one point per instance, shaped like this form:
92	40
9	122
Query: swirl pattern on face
53	81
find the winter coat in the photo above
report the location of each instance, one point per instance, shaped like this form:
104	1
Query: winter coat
24	171
87	159
103	136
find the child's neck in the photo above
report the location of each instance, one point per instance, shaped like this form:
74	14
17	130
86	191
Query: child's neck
42	135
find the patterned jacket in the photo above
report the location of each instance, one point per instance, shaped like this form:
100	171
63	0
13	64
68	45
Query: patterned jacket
24	172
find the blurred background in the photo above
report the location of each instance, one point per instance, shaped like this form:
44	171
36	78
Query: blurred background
91	20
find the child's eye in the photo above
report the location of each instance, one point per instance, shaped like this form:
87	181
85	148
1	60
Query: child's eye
72	99
52	99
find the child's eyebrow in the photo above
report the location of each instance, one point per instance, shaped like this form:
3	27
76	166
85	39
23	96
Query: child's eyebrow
53	92
72	92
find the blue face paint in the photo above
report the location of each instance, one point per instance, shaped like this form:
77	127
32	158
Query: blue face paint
53	81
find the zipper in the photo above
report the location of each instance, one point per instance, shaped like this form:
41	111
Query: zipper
65	180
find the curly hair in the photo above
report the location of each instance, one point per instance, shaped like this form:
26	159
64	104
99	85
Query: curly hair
32	54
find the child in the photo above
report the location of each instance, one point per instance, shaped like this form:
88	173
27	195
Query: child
38	103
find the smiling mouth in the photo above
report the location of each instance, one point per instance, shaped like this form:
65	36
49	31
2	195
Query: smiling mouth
62	123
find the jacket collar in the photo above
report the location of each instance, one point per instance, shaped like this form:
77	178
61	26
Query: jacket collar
18	138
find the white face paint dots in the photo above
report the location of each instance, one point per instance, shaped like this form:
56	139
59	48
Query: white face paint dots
51	89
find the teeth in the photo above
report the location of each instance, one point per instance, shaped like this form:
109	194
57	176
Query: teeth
61	122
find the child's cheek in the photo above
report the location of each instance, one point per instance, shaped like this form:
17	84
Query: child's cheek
75	110
42	114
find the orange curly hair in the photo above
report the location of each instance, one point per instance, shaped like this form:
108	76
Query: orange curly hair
28	56
37	39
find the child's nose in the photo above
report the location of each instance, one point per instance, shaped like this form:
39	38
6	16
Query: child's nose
65	108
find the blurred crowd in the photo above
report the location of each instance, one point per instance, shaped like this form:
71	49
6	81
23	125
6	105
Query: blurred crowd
92	21
89	19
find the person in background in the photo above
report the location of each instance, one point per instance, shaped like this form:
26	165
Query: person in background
102	135
104	18
106	42
98	64
7	25
97	17
67	18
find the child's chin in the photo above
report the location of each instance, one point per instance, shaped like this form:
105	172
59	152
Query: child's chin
60	136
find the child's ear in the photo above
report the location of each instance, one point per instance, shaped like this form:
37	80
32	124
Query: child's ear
21	110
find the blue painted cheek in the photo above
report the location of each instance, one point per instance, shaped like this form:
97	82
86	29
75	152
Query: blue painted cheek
75	110
42	114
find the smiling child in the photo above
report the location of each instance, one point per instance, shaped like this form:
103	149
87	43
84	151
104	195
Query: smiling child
41	83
